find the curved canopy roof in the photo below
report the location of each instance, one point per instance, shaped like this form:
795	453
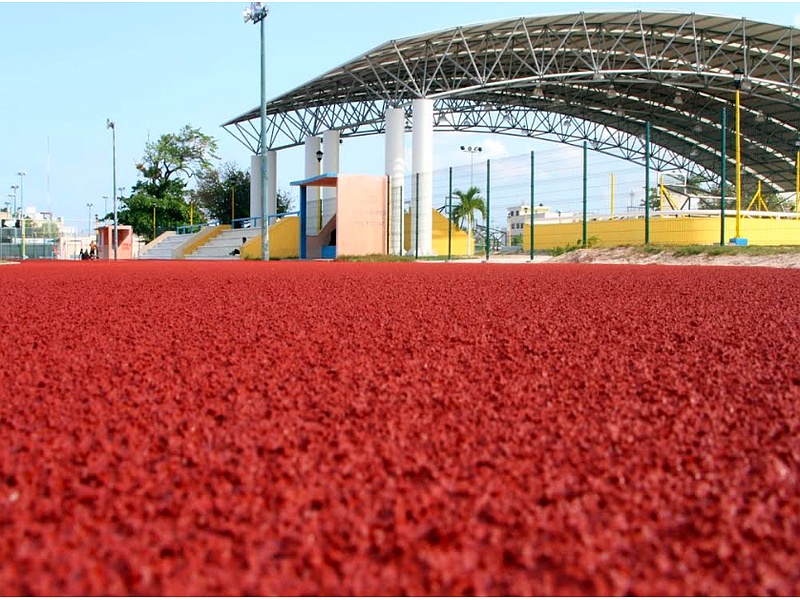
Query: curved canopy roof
571	78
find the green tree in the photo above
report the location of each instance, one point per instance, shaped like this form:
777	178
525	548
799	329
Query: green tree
469	202
166	167
188	153
215	188
171	208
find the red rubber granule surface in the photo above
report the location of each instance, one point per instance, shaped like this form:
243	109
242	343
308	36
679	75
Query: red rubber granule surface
241	428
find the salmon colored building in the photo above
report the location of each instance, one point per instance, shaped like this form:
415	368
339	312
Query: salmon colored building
105	241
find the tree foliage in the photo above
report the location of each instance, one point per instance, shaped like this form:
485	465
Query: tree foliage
469	202
214	190
188	153
166	167
171	208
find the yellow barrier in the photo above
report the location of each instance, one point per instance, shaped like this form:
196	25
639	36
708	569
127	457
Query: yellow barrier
284	240
680	231
440	224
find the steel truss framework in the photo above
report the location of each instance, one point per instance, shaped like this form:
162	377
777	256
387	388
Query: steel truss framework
573	78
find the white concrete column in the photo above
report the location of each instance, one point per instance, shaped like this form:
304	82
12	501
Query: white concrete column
396	170
422	164
272	182
255	185
330	164
312	144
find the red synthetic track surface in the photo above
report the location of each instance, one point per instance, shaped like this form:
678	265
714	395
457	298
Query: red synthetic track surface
241	428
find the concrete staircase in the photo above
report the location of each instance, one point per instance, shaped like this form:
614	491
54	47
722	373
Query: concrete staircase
164	248
221	246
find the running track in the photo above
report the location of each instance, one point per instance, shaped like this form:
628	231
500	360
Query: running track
179	428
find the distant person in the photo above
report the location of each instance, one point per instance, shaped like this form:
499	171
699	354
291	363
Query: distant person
92	250
236	251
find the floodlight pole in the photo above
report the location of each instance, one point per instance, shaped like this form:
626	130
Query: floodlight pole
257	13
14	188
737	81
264	216
471	150
21	191
89	205
113	127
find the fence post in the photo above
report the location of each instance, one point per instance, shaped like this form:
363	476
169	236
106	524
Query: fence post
416	222
647	183
723	175
450	217
585	190
488	206
532	200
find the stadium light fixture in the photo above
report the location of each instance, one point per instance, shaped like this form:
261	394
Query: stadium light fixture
472	150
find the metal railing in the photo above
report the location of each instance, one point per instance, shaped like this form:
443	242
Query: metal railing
194	228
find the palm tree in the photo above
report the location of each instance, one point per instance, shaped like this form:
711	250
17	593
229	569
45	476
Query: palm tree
469	202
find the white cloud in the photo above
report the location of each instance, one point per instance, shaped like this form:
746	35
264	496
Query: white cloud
494	148
797	20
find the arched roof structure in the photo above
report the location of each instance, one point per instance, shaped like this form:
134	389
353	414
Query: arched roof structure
570	78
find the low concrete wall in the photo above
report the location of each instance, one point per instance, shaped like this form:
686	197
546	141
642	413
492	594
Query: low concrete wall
680	231
440	226
284	241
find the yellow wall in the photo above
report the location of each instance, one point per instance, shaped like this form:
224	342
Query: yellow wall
673	231
440	224
284	240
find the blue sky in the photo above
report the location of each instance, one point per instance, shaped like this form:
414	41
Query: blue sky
154	67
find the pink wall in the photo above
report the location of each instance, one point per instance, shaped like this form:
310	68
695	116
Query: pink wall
361	215
105	236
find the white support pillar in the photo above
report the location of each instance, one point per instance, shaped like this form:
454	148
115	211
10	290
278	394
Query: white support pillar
255	185
272	182
312	144
422	164
396	170
330	164
255	188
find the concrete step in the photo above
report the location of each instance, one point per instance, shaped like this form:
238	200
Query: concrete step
221	246
163	250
